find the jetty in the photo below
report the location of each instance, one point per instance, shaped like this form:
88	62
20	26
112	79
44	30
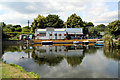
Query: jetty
67	41
14	42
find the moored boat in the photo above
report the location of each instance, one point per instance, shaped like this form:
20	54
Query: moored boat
85	42
99	43
75	42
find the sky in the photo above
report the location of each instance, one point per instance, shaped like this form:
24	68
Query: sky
18	12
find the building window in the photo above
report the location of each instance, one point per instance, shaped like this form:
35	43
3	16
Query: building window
42	34
50	34
59	34
55	34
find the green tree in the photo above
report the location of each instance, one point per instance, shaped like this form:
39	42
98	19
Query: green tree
7	30
74	21
100	28
18	29
114	27
26	29
89	24
54	21
39	22
92	31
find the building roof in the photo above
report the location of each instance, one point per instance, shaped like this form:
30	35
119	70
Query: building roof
69	30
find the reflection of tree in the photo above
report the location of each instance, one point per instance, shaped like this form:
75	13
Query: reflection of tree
75	60
91	50
112	53
51	60
10	48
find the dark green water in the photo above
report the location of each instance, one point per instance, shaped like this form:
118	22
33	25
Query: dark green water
65	61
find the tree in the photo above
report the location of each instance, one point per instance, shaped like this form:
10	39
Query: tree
26	29
18	29
114	27
39	22
89	24
54	21
100	28
74	21
92	31
8	28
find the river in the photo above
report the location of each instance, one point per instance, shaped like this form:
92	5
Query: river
64	60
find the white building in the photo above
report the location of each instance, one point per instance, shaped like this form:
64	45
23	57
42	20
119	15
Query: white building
57	33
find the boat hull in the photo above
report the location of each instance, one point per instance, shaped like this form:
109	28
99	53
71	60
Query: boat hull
47	43
99	44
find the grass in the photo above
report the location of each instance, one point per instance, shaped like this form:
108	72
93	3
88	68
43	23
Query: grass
15	71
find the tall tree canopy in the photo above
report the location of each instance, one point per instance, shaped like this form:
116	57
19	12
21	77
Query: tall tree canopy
101	28
114	27
54	21
74	21
39	22
89	24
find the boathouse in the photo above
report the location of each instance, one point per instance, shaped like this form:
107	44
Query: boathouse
50	33
58	33
74	33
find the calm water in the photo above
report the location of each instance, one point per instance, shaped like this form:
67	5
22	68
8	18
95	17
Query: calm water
64	61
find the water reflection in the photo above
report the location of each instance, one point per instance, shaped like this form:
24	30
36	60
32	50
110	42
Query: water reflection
112	53
53	55
64	60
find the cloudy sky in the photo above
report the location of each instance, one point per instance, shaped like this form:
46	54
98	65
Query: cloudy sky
96	11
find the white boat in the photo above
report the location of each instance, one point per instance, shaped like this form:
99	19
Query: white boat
86	42
75	42
99	43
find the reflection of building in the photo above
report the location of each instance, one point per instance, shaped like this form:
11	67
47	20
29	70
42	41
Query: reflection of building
53	55
58	50
54	33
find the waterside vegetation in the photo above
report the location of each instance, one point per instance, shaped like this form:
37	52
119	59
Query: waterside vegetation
15	71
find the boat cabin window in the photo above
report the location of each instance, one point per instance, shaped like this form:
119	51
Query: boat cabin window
42	34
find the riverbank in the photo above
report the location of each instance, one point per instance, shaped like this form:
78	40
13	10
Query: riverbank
15	71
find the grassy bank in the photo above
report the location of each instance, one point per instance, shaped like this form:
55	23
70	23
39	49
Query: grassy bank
15	71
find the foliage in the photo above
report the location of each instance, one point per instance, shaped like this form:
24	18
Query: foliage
18	29
101	28
114	27
7	30
26	29
74	21
92	31
108	40
11	28
89	24
39	22
54	21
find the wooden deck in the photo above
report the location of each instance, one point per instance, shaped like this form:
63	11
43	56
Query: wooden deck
91	44
67	41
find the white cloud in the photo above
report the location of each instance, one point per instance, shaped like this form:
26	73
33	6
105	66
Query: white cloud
19	12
